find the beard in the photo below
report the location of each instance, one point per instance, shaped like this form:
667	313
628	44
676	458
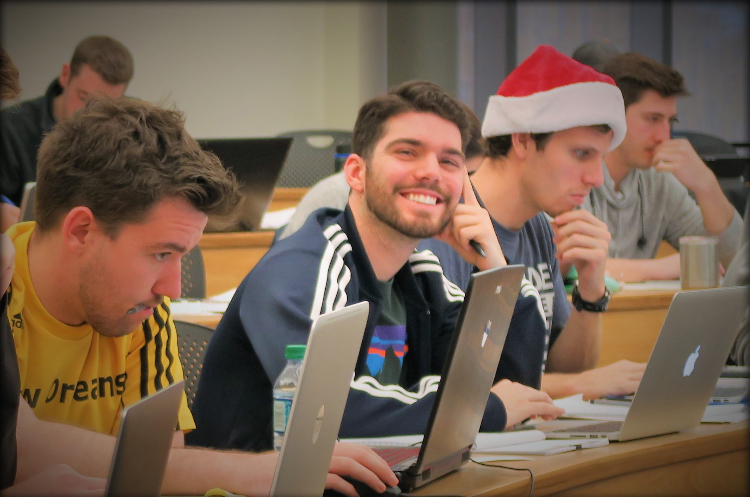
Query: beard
93	288
378	201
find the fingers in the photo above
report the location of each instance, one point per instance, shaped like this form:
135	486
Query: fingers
363	464
468	191
334	482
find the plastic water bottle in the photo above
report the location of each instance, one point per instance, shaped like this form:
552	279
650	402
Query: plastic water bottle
283	392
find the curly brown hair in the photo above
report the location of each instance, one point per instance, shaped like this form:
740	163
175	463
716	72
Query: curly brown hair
119	157
10	88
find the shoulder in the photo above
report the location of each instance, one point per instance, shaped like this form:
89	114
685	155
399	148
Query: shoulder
25	116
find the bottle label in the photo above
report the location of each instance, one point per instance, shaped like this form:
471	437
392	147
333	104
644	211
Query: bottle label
282	407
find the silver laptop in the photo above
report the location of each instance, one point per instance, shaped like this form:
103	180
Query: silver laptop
143	444
318	405
467	377
27	202
683	369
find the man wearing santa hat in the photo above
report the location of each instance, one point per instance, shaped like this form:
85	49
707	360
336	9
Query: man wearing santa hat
547	129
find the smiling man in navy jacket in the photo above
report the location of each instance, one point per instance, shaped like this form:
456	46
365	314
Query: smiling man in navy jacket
406	175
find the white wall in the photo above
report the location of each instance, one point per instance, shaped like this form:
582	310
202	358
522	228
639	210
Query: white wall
234	68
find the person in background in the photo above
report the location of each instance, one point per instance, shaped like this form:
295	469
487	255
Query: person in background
123	193
333	191
100	66
738	274
645	197
547	129
406	174
595	53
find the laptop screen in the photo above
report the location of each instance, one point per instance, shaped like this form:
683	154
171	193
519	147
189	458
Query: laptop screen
257	164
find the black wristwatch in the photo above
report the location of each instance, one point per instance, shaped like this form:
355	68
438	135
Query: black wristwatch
584	305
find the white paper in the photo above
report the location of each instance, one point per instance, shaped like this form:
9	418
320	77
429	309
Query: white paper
486	442
498	457
196	308
576	407
225	297
276	219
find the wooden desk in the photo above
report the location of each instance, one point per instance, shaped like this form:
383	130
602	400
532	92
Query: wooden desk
632	323
283	198
228	257
707	460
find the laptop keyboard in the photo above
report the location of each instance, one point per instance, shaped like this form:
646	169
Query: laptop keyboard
397	456
596	427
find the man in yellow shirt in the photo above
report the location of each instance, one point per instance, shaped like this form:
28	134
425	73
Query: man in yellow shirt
123	192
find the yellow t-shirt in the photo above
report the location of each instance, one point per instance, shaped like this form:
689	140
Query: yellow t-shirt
74	375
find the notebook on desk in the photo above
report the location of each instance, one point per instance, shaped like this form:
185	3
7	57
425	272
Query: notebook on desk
143	444
465	383
683	369
257	164
318	405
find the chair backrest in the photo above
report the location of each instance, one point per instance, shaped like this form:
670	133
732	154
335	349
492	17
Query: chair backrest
311	157
192	342
707	146
193	275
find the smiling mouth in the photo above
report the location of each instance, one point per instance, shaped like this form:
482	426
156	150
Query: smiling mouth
421	199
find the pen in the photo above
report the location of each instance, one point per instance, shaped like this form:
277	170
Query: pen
6	200
477	248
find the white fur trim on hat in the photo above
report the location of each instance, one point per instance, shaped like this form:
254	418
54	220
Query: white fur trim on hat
564	107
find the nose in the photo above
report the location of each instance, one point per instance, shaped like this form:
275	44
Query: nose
428	169
169	282
593	176
662	131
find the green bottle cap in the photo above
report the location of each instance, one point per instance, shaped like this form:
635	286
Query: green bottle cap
295	352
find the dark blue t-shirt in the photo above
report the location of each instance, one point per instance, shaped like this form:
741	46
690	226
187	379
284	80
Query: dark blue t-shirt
542	308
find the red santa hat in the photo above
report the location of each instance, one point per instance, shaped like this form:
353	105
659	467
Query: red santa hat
550	92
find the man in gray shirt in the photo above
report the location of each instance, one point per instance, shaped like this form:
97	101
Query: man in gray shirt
645	197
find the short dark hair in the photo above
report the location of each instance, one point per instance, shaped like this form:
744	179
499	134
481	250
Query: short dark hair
10	88
109	58
412	96
119	157
499	146
477	145
635	73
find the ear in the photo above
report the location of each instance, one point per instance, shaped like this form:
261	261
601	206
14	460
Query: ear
354	171
521	144
65	75
78	229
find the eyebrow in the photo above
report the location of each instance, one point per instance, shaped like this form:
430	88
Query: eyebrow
169	246
417	143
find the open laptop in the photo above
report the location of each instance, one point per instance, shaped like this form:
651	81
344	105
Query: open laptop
467	377
257	164
683	369
143	444
318	405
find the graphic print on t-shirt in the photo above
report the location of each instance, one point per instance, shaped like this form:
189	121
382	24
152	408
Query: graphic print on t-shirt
541	277
386	353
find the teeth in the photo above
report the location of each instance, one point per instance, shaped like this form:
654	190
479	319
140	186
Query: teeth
422	199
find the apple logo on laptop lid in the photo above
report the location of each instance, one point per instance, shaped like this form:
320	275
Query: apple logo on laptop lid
690	362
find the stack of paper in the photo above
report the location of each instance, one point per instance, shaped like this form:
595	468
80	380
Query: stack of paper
526	442
576	407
